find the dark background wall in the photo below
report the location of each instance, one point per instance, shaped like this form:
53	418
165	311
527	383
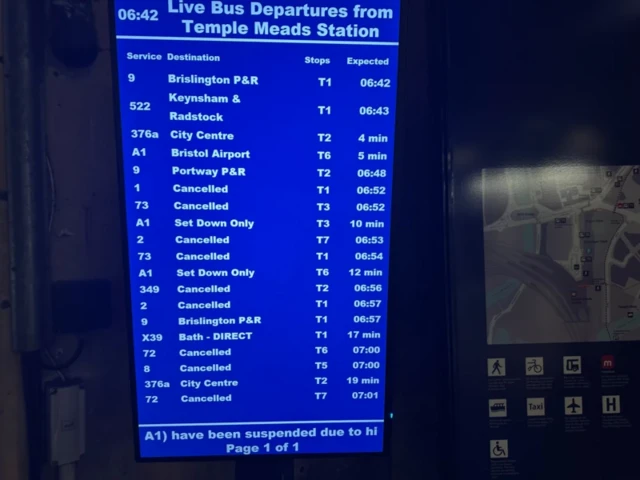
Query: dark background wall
86	245
541	80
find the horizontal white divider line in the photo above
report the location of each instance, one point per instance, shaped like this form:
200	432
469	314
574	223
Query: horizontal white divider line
255	40
224	424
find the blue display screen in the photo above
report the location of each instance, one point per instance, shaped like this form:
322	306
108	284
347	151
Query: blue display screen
257	158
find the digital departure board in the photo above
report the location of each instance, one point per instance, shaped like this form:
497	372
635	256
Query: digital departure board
257	157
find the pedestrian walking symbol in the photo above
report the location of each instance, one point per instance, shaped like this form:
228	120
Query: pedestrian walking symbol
496	367
499	449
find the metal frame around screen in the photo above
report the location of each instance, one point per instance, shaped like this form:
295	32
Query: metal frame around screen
395	284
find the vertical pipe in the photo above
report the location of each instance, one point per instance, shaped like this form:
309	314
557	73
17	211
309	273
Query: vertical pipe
26	166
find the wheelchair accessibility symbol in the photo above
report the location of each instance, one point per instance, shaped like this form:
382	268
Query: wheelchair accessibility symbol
499	449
